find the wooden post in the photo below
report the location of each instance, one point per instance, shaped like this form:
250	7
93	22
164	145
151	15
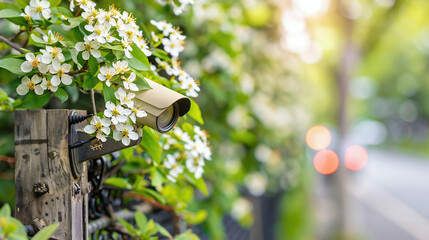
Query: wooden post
44	185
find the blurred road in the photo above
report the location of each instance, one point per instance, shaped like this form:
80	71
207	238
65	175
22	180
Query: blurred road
390	197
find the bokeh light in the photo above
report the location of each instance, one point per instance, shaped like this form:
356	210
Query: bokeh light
318	137
326	162
356	158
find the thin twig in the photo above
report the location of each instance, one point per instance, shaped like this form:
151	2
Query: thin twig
94	109
11	44
16	35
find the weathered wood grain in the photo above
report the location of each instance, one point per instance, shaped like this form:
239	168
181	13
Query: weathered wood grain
41	153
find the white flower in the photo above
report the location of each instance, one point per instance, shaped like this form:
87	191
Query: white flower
60	72
125	132
106	16
51	37
169	141
184	136
33	62
155	37
163	26
192	88
99	32
127	48
172	46
106	74
116	112
46	84
39	9
110	38
88	47
71	6
86	5
27	13
100	126
195	166
27	84
144	47
126	99
128	82
121	67
137	113
128	33
52	54
175	168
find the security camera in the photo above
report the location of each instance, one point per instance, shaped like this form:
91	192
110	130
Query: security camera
162	105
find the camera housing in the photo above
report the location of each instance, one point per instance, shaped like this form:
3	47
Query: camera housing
162	105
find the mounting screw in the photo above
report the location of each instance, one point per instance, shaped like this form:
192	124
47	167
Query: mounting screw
41	188
76	189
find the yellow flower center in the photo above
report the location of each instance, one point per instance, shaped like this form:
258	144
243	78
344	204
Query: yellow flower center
135	110
125	133
60	72
49	84
88	47
55	52
35	63
115	112
98	31
98	126
130	34
39	8
109	76
31	85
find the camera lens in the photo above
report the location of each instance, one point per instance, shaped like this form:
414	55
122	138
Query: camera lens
166	120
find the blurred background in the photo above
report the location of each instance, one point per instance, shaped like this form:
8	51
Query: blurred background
317	112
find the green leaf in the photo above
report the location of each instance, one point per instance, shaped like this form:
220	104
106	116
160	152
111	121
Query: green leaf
188	235
118	182
201	185
151	144
196	218
5	211
61	94
134	63
109	94
13	65
61	10
157	177
127	226
141	221
113	47
141	82
152	193
37	39
161	54
139	60
93	65
195	112
163	231
23	3
73	93
9	13
73	54
33	101
76	21
46	232
137	53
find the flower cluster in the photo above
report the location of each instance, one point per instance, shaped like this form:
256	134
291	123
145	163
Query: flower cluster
179	6
173	42
52	71
191	157
120	117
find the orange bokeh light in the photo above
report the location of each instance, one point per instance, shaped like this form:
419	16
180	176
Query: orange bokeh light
318	137
356	158
326	162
